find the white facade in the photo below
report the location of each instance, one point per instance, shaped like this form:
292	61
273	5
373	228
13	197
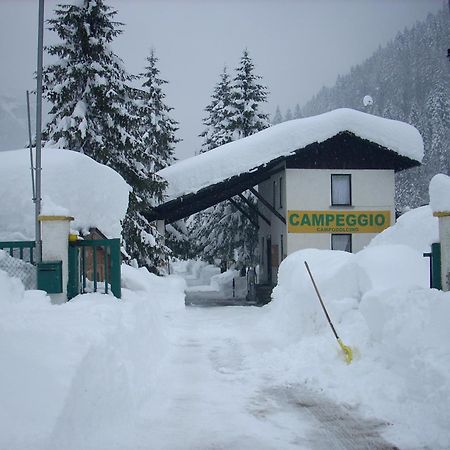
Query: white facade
294	192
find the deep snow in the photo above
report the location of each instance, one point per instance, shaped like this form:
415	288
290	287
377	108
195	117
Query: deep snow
100	201
146	372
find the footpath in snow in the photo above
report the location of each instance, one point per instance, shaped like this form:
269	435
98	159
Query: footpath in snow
147	372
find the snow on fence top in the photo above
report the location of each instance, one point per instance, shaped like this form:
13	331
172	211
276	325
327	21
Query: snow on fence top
192	174
440	193
72	184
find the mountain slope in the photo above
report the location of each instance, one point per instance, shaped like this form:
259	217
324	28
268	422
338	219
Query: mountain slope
408	80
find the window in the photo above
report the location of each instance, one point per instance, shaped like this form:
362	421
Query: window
281	193
341	190
341	242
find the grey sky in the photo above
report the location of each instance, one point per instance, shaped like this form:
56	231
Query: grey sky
297	46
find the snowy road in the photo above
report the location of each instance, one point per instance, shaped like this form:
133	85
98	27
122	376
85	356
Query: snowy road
209	396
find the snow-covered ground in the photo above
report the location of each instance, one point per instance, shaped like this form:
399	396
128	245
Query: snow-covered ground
146	372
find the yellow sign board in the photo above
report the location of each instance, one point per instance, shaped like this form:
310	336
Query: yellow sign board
338	221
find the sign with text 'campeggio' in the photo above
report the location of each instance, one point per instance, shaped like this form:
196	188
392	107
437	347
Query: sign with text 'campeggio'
338	221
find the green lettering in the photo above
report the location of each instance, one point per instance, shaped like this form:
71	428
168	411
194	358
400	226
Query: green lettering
380	219
317	220
363	220
329	218
305	220
351	220
293	219
340	220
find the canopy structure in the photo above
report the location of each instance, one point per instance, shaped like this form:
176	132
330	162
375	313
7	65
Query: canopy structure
340	139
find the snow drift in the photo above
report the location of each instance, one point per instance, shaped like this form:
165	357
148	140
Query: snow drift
72	184
381	305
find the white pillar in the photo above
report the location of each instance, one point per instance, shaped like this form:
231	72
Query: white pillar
55	247
444	238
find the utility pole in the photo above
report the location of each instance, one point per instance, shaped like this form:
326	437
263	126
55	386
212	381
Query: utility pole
40	51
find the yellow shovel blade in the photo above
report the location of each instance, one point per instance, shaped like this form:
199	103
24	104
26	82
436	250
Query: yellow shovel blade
348	353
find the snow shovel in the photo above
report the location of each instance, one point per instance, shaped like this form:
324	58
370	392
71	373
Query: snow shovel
348	353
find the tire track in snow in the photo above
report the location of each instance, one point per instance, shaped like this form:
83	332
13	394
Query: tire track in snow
334	426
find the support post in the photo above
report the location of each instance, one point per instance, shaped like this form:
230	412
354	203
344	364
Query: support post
444	238
254	208
244	212
55	247
267	204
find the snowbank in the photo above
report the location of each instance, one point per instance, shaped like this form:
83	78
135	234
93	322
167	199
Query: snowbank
440	193
73	375
381	306
192	174
417	229
69	180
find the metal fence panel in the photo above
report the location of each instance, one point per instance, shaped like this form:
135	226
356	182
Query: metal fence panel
17	260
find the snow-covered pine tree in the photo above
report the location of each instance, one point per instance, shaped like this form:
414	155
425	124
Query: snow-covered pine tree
247	95
288	115
157	126
218	123
234	112
87	87
409	80
277	118
96	112
218	132
157	132
298	112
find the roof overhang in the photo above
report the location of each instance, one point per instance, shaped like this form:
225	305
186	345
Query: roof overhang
342	151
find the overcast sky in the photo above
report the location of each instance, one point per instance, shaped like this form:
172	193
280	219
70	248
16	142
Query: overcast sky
297	45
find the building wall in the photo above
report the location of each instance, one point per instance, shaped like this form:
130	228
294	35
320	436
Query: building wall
276	233
309	189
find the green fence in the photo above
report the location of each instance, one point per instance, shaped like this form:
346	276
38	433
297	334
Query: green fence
17	260
94	266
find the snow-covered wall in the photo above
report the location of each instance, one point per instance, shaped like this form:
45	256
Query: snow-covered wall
72	184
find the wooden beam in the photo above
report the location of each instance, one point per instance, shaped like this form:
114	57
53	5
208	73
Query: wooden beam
245	213
255	208
267	204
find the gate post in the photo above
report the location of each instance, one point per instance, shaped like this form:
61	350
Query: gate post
55	247
444	238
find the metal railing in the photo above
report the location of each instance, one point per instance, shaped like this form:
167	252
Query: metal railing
94	266
18	260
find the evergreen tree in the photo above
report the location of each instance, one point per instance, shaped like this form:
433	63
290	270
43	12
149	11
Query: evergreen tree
223	231
87	87
247	97
157	132
409	79
218	129
96	112
157	127
277	118
288	115
298	112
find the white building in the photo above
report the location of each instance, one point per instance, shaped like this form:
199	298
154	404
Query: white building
339	206
324	182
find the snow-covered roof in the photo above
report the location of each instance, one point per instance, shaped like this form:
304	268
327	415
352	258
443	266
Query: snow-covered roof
192	174
72	184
